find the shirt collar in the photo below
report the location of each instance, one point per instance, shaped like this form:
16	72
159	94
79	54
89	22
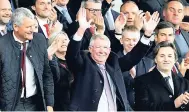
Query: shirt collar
3	28
41	22
164	74
61	8
16	39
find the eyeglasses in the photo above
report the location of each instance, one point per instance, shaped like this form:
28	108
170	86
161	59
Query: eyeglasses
101	47
93	10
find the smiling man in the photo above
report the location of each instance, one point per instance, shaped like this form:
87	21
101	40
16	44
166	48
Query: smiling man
98	81
26	78
161	89
5	15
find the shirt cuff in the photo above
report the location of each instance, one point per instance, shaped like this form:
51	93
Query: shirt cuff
118	36
145	40
77	38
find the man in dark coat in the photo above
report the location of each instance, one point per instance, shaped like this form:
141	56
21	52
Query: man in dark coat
161	89
26	78
93	86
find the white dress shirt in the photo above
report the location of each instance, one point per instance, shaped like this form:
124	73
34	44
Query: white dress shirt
103	105
41	24
31	88
170	79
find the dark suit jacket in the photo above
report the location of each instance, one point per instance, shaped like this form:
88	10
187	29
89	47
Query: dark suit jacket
153	94
62	84
154	5
186	37
63	20
10	70
115	43
141	68
88	80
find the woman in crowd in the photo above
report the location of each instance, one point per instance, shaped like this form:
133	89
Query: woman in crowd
58	43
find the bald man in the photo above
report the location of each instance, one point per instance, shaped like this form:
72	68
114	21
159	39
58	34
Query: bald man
5	15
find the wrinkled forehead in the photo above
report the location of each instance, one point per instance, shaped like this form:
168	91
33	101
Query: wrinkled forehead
101	42
131	34
129	7
175	5
5	4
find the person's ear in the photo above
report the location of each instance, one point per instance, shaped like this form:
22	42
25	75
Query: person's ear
33	7
121	40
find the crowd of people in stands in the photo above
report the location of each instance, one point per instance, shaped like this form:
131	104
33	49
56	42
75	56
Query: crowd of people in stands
81	55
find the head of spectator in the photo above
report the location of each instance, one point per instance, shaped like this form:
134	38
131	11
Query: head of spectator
93	8
36	25
174	12
164	31
5	12
23	21
61	39
130	37
62	3
165	56
99	47
42	8
130	9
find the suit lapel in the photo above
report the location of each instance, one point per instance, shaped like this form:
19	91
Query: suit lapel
185	35
161	2
176	83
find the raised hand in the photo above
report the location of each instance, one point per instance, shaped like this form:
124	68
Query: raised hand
53	16
83	23
138	22
120	22
52	48
183	66
151	24
99	23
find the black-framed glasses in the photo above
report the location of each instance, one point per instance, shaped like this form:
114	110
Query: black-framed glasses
93	10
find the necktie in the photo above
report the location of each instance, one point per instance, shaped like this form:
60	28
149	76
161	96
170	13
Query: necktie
47	29
110	20
177	32
92	30
67	15
23	66
168	84
107	88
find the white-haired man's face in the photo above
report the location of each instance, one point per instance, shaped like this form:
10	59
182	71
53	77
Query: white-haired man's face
100	50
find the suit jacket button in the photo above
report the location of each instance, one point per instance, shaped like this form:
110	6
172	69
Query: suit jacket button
95	90
93	101
170	96
101	81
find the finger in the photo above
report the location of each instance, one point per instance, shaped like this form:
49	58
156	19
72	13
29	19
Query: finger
156	16
185	102
90	21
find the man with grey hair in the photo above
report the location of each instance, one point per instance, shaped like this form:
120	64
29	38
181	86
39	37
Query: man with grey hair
5	15
26	78
98	82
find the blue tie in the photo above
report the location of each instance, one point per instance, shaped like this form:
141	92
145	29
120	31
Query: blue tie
66	15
